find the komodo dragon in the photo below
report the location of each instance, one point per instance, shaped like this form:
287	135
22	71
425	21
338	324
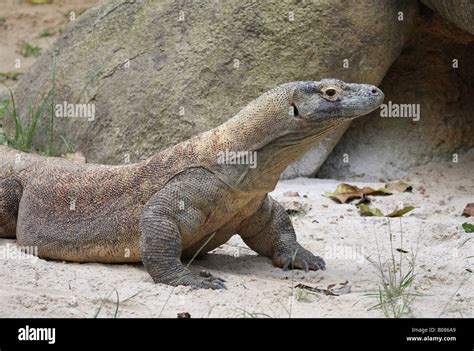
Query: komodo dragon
181	201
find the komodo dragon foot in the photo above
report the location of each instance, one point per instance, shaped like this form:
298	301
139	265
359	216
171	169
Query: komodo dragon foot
299	258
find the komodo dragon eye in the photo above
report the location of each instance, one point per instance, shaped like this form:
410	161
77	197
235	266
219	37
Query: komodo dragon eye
331	93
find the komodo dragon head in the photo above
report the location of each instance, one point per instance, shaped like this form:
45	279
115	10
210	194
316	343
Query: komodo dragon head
298	113
334	99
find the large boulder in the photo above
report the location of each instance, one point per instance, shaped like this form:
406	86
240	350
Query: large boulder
161	72
459	12
436	71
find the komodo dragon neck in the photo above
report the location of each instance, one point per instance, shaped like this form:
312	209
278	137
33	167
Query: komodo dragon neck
261	129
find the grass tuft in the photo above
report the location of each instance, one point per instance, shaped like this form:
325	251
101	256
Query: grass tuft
27	127
396	293
24	133
45	33
27	50
9	75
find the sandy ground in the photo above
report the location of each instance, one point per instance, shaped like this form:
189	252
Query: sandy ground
37	288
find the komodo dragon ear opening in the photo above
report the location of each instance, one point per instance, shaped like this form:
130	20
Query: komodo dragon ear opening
295	111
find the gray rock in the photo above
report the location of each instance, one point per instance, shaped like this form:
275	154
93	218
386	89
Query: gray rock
187	76
459	12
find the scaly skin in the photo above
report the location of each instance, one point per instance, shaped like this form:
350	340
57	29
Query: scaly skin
181	201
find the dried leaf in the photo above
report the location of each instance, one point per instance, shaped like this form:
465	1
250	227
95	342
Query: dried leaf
468	210
401	250
379	192
398	186
344	193
468	227
401	212
367	211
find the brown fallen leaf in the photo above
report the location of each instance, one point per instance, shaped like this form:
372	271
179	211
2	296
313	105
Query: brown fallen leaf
375	192
369	211
399	186
468	210
401	212
345	193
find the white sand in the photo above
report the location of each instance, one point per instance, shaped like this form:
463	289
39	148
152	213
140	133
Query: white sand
38	288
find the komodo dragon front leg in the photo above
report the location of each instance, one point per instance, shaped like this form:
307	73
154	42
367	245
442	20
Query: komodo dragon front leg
270	233
175	219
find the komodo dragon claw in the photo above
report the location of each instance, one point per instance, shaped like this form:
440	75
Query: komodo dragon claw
206	274
302	259
212	283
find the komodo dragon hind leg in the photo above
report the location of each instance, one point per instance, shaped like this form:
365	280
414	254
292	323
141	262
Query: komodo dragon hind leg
161	241
270	233
10	195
